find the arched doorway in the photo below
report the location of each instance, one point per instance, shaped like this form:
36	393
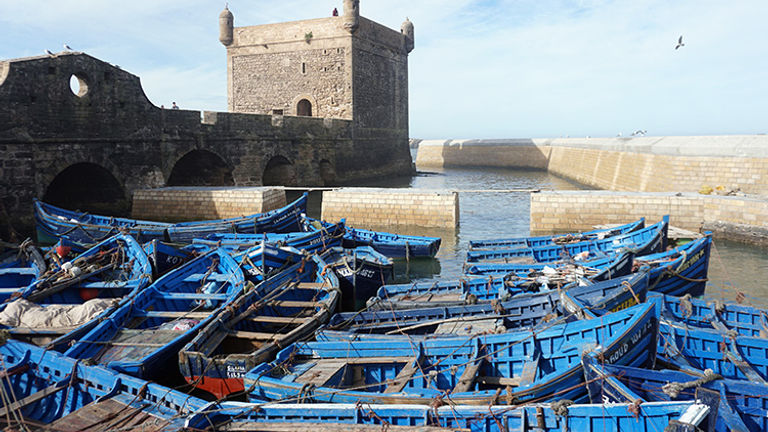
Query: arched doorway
90	188
304	108
201	168
279	172
327	173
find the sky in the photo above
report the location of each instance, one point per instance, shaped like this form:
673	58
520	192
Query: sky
480	69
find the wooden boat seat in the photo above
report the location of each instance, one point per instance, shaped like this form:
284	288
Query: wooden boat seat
527	376
174	314
311	286
254	335
278	319
193	296
467	378
321	372
109	415
215	277
295	303
405	375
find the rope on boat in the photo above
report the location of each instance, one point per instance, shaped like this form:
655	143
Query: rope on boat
673	389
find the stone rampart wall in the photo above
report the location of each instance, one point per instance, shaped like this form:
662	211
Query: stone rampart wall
653	164
371	207
176	204
734	217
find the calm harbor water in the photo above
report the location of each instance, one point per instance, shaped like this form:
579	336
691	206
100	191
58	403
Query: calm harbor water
733	267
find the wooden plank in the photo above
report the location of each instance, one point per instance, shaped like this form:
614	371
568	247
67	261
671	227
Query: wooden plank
278	319
528	375
193	296
175	314
499	381
311	285
321	372
34	397
254	335
402	378
295	303
467	378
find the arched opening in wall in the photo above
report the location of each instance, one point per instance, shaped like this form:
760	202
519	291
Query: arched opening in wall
90	188
304	108
327	173
78	84
201	168
279	172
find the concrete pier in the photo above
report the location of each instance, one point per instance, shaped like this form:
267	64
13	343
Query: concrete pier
177	204
733	217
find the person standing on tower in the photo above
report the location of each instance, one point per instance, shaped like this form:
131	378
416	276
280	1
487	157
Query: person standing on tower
174	106
335	12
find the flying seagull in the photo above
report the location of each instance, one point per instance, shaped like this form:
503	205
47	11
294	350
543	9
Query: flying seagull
67	48
680	43
50	53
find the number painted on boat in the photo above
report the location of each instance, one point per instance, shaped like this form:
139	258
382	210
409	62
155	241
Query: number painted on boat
689	262
634	338
623	305
235	371
364	273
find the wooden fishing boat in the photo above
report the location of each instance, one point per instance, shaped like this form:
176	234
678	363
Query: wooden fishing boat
165	257
469	289
526	310
143	336
288	306
389	244
23	266
736	405
642	242
314	241
46	391
557	417
680	271
361	272
84	228
556	239
727	318
69	301
737	357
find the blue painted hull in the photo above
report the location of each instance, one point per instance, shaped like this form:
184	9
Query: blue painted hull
361	272
626	337
680	271
555	239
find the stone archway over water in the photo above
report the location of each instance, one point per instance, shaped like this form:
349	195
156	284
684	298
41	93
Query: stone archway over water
201	168
279	172
90	188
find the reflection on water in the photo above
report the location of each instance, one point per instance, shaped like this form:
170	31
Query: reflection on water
734	267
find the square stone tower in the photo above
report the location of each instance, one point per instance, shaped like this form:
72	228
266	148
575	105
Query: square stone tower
345	67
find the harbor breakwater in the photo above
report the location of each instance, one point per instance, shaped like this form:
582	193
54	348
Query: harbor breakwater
656	175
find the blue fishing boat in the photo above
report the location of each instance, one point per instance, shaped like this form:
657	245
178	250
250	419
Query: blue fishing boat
492	317
389	244
23	266
504	368
69	301
288	306
680	271
556	239
473	289
314	241
642	242
143	336
738	405
557	417
728	318
729	355
83	228
165	257
44	390
361	272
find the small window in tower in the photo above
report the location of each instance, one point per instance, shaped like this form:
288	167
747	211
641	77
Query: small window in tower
303	68
277	112
338	50
325	51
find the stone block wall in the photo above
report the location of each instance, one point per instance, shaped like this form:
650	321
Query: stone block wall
371	207
176	204
734	217
514	153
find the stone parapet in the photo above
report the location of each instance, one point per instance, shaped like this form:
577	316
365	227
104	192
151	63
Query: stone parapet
176	204
733	217
371	207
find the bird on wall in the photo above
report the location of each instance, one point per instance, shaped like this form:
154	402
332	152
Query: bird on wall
680	43
67	48
50	53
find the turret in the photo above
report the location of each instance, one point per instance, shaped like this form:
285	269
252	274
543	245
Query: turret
226	22
407	30
351	15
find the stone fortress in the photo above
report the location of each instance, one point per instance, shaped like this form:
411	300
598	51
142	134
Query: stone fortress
314	102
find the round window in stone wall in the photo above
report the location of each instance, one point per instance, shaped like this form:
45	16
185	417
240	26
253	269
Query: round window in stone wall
78	85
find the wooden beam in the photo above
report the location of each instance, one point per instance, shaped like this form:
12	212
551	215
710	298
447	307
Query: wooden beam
402	378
